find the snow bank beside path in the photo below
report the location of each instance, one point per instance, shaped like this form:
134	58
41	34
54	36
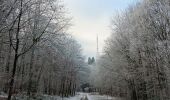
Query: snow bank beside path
3	96
101	97
48	97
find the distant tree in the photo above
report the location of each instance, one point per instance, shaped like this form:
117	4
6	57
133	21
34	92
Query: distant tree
93	60
89	60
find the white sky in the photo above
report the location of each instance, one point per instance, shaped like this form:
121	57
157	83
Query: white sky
92	17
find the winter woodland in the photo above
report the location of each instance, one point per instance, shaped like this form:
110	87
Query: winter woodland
40	58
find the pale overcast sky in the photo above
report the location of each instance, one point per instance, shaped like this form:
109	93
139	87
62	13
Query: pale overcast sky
91	17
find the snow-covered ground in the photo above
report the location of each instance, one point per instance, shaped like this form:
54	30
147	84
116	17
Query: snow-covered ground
101	97
43	97
92	97
79	96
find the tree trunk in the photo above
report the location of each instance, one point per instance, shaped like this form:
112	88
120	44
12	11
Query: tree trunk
16	55
13	71
30	72
8	59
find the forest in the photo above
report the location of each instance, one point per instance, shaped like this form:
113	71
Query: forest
38	56
136	59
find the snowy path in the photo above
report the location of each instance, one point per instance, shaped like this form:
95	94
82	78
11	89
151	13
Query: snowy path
91	97
100	97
